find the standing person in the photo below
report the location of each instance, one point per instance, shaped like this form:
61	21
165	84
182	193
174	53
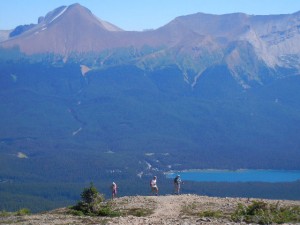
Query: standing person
113	190
153	185
177	182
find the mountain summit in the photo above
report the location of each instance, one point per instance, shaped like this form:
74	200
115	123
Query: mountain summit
79	15
64	30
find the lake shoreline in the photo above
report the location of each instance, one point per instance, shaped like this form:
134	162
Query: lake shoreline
239	175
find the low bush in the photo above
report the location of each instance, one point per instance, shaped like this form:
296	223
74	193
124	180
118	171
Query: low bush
23	212
75	212
107	211
263	213
139	212
211	214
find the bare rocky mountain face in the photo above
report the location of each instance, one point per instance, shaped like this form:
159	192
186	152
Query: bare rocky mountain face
254	48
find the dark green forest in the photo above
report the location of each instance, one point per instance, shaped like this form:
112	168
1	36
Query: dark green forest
60	130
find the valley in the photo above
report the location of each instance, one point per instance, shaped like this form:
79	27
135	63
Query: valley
118	124
82	100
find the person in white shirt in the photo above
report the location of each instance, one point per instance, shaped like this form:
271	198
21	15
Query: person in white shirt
113	190
153	185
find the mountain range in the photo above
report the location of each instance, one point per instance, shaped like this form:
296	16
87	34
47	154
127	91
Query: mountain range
246	44
83	100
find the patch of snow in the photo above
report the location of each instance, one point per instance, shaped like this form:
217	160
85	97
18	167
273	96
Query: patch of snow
14	77
148	165
44	28
77	131
114	171
110	152
59	14
186	77
149	154
21	155
84	69
196	79
140	174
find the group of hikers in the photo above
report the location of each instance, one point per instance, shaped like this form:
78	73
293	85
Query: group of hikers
153	186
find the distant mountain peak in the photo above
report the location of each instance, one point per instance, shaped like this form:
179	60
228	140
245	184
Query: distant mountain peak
78	11
64	30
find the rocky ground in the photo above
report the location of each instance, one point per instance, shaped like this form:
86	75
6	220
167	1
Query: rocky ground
182	209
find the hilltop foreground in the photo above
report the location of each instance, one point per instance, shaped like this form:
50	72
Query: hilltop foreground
182	209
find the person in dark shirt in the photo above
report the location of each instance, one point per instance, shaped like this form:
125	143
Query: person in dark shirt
177	183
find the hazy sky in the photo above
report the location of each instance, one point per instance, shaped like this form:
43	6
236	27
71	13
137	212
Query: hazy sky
139	14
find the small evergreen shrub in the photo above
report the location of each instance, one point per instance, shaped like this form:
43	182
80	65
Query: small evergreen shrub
90	195
93	204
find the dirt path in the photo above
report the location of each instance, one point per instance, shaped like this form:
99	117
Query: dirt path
166	207
167	211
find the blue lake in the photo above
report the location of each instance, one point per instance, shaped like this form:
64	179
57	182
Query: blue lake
271	176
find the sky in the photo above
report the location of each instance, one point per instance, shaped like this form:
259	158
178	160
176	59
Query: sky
139	14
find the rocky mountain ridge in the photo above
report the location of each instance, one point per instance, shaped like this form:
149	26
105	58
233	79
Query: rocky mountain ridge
254	48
